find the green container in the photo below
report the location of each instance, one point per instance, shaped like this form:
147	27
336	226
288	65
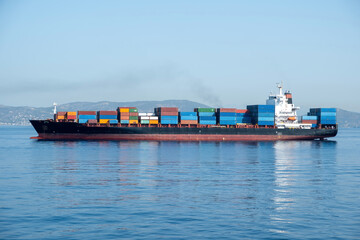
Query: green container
206	109
133	118
144	121
133	110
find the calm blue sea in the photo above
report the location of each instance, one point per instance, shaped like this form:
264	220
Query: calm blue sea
175	190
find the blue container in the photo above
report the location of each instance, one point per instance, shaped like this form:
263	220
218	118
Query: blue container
328	122
171	118
189	118
206	114
261	108
227	114
328	114
207	122
107	116
243	120
309	117
263	123
188	114
261	114
243	115
86	117
313	125
168	121
113	121
261	119
124	121
227	118
227	122
207	118
83	120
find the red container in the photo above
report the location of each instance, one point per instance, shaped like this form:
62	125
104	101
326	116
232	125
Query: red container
168	109
231	110
108	112
124	117
86	112
92	121
124	114
168	113
61	113
242	111
71	117
310	121
133	114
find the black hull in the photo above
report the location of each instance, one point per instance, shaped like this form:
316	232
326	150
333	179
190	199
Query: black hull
49	130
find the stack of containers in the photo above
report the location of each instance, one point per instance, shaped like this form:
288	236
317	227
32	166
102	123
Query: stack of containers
133	115
123	115
262	115
310	120
153	119
167	115
106	117
188	118
60	116
206	115
325	116
71	116
144	118
226	116
86	117
243	116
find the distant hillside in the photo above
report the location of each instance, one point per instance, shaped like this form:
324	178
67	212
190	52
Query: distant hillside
21	115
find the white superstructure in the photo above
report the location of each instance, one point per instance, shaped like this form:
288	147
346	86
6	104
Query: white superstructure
285	110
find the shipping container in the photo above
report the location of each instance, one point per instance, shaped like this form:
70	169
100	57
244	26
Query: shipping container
71	114
123	109
103	121
82	120
92	121
227	114
86	112
107	116
107	112
61	114
71	117
205	110
153	121
188	114
242	111
145	121
86	116
124	121
188	122
112	121
226	110
208	114
133	121
133	118
168	121
191	118
207	122
227	122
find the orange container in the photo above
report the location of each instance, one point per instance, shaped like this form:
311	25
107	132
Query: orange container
189	122
71	113
133	121
153	121
123	109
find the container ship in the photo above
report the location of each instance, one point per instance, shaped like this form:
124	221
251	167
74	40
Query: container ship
275	120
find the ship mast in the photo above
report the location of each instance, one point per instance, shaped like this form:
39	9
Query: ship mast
54	104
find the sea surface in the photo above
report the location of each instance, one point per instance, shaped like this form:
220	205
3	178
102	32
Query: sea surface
179	190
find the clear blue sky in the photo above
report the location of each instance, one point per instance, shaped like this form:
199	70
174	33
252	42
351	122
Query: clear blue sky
221	53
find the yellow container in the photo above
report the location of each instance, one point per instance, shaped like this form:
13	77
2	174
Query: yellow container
124	110
71	113
133	121
103	121
60	117
154	122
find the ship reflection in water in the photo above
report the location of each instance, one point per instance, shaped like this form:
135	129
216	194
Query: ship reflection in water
240	183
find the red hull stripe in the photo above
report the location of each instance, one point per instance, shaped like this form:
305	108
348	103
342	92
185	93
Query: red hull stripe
173	137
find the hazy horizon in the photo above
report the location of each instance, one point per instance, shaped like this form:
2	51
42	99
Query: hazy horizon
217	53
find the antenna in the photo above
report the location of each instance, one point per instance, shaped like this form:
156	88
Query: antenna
54	104
280	86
